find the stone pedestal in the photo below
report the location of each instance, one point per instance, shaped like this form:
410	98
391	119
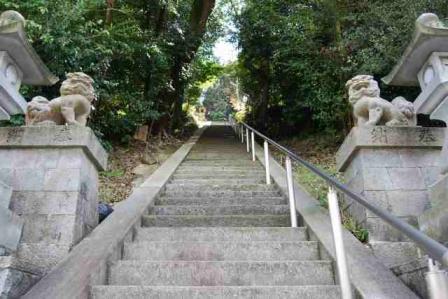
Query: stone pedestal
393	168
53	172
434	221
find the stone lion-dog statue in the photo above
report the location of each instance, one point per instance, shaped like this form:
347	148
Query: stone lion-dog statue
73	107
370	109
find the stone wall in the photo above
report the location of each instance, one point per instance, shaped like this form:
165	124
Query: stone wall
53	172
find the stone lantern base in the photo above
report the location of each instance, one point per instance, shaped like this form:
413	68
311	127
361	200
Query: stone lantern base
53	173
393	168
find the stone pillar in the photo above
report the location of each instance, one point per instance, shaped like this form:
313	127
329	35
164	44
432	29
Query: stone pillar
393	168
53	172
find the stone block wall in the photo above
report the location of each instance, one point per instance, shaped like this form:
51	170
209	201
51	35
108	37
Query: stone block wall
393	168
394	179
53	172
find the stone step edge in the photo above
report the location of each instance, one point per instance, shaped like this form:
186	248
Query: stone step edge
289	262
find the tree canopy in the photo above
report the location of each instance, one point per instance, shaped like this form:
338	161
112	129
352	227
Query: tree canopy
146	56
296	56
151	58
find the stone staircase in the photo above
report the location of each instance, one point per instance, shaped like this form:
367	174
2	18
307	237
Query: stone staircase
218	231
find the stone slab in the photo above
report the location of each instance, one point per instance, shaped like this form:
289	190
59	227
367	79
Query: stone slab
55	137
14	282
226	273
43	202
394	253
381	137
260	292
434	221
220	234
11	229
5	195
413	274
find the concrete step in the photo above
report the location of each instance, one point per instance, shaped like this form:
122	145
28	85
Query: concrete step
221	210
220	194
220	175
218	156
221	251
247	180
219	187
236	167
211	171
207	173
226	162
195	273
180	199
260	292
221	234
246	165
228	220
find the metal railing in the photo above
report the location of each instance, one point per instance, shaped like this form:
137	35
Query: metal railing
436	278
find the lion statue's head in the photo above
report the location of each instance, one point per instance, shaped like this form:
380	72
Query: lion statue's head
78	83
360	86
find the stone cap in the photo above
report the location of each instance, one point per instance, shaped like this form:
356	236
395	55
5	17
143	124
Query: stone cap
387	137
55	137
430	36
14	41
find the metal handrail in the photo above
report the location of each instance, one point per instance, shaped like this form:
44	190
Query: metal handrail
433	248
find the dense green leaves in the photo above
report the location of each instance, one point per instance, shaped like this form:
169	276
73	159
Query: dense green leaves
137	52
297	55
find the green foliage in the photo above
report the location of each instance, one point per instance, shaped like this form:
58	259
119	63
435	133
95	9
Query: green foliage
297	56
113	173
15	121
130	49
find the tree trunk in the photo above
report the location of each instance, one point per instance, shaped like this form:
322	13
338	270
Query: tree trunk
265	75
110	6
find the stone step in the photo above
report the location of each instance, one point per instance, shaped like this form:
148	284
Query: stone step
221	210
229	220
220	163
219	175
221	251
247	180
220	194
206	273
218	157
261	199
236	167
260	292
207	173
219	187
220	234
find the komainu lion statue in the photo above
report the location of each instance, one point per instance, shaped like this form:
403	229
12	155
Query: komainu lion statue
370	109
72	107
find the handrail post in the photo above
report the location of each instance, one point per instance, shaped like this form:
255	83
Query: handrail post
292	200
247	140
242	133
253	145
266	162
437	281
341	259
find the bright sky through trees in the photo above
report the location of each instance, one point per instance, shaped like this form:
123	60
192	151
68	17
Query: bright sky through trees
225	51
